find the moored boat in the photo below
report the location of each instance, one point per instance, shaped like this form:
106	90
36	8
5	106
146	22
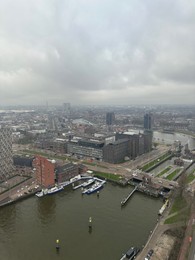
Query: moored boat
87	183
131	253
94	188
55	189
41	193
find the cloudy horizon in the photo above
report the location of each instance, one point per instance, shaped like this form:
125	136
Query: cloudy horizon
98	52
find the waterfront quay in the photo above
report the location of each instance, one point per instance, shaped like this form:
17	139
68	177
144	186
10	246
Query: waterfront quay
17	188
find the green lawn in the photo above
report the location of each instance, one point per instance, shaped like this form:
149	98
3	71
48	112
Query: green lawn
180	209
156	161
190	177
109	176
179	204
164	171
180	216
50	156
173	174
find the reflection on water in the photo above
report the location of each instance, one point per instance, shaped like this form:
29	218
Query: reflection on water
8	219
46	208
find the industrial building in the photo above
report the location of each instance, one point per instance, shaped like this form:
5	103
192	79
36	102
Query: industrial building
116	152
23	161
86	148
127	145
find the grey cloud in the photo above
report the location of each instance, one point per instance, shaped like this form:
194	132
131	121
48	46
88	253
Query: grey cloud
96	51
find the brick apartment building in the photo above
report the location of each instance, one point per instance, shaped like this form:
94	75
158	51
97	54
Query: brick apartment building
45	171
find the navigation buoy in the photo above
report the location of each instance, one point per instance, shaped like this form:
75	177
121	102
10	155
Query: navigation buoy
98	194
57	244
90	222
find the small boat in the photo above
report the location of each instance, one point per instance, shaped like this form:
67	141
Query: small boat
41	193
87	183
94	188
55	189
131	253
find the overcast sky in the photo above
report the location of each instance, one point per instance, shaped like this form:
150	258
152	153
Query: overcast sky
97	52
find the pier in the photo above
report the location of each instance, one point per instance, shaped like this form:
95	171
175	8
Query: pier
124	201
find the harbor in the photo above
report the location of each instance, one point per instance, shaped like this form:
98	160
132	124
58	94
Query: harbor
88	184
120	229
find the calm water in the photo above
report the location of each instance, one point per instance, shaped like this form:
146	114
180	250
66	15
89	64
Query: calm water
28	229
170	138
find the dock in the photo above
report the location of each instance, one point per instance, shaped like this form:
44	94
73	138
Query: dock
124	201
77	187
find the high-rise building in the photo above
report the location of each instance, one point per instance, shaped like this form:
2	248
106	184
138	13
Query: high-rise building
6	160
67	109
110	118
148	121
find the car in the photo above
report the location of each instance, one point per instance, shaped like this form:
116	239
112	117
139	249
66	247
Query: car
150	253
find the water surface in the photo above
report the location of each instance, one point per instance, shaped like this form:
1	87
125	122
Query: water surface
28	229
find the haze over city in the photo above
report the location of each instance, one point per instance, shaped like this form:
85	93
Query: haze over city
97	52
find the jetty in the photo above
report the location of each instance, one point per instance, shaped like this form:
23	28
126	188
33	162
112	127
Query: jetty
124	201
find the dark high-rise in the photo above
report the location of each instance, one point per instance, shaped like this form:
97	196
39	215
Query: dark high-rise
110	118
148	121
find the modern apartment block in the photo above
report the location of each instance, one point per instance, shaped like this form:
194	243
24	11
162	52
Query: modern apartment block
6	160
148	121
45	172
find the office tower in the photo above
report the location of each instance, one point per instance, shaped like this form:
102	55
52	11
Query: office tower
148	121
110	118
6	160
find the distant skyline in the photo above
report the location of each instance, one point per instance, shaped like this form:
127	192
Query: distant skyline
97	52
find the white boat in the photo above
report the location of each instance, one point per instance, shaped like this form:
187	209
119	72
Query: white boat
87	183
94	188
131	253
41	193
55	189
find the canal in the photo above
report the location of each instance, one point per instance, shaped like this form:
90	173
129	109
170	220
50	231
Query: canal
28	229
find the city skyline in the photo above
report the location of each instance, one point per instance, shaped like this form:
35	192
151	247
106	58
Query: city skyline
97	52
